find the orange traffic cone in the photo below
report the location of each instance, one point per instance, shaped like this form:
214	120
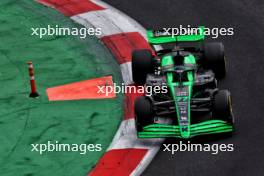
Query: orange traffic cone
34	92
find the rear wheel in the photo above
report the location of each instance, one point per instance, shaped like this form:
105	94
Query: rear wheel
144	112
222	106
214	58
142	64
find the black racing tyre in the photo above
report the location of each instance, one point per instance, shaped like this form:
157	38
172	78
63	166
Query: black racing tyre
213	84
222	106
214	58
144	112
142	64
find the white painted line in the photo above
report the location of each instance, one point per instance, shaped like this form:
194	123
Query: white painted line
136	25
139	28
126	71
82	21
110	21
127	133
146	160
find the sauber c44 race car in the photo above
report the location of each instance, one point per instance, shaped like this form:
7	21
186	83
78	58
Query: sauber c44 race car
193	102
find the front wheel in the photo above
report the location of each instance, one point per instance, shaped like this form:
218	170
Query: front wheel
222	106
214	58
144	112
142	64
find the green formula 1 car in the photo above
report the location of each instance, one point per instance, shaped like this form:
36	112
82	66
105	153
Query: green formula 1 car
189	73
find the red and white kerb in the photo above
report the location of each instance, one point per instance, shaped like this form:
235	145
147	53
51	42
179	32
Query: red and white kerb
127	155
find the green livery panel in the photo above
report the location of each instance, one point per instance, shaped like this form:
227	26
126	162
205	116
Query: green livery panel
203	128
181	90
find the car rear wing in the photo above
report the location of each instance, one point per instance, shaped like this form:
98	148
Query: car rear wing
156	37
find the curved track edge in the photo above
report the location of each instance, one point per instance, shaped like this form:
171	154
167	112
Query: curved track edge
126	155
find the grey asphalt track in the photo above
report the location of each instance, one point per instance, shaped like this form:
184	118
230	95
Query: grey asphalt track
245	80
